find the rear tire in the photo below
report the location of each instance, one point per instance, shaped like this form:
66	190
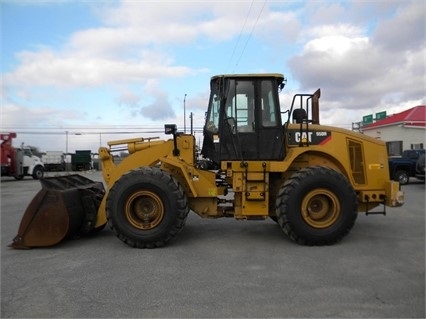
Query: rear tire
146	208
317	206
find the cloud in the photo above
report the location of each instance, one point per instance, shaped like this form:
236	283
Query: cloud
405	31
131	46
18	116
178	21
358	71
278	28
159	109
129	99
46	68
363	55
155	106
131	25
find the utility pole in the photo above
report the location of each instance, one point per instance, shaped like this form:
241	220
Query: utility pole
191	116
66	150
184	113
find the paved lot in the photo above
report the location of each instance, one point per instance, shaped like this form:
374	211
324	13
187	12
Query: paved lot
219	268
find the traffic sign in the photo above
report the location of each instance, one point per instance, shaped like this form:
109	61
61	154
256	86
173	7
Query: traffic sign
367	119
380	115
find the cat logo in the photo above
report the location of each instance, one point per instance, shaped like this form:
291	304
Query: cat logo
308	137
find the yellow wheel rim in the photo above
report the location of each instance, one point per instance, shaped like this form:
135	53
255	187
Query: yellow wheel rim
144	210
320	208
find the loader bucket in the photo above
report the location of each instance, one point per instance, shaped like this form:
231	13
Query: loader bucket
66	206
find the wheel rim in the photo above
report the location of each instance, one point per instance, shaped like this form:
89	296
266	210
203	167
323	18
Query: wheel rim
403	179
144	210
320	208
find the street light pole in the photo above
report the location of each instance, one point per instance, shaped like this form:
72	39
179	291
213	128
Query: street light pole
184	113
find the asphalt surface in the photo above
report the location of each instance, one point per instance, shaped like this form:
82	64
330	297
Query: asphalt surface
219	268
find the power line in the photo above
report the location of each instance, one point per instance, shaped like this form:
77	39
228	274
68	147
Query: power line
83	127
239	36
250	34
90	131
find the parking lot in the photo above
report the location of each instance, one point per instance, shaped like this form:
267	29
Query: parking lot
219	268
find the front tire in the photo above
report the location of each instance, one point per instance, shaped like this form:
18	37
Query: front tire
146	208
402	177
38	172
317	206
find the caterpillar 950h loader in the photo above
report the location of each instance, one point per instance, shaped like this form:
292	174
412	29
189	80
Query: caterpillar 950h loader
309	178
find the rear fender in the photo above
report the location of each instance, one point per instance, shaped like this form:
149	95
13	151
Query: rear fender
303	157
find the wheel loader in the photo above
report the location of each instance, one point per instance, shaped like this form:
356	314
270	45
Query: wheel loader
311	179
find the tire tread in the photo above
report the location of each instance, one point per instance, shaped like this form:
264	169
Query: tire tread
285	196
181	206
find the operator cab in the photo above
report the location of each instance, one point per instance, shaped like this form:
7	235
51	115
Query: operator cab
243	121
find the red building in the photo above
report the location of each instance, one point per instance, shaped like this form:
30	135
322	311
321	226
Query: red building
401	131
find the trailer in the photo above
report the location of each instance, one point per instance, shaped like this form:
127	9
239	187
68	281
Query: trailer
81	160
54	161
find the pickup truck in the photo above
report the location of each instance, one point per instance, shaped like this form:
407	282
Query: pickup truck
402	168
420	167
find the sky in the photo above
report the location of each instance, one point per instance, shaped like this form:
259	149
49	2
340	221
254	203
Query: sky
76	74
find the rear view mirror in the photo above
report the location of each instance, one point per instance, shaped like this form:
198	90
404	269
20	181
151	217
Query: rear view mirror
170	129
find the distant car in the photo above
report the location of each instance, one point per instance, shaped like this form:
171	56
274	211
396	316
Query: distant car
420	167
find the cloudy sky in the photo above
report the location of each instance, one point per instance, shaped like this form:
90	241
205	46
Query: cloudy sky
90	68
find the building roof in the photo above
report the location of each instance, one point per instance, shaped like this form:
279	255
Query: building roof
415	116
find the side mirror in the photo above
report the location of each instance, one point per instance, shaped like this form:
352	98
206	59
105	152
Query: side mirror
170	129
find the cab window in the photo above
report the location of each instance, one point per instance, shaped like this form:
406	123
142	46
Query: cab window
212	123
240	105
269	116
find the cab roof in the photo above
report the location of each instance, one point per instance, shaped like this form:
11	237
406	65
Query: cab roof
249	75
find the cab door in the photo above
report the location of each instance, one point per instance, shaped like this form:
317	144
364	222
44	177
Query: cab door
251	124
270	137
238	134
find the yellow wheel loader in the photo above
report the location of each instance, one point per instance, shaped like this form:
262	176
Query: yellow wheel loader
311	179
